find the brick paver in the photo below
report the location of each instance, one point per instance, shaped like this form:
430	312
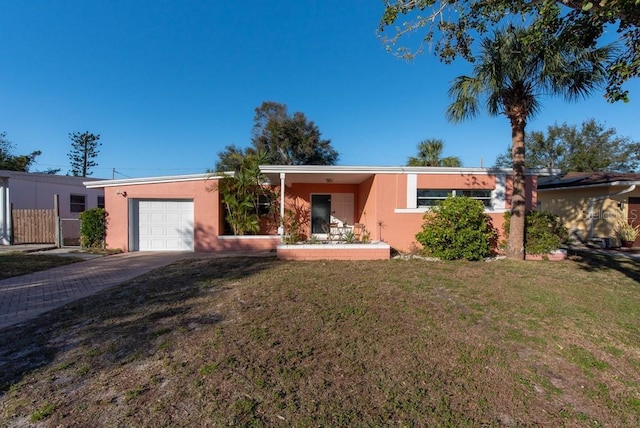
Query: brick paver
25	297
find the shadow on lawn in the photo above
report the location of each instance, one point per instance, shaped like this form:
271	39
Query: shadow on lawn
594	262
125	322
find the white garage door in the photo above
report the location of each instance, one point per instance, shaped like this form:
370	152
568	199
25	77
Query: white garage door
165	225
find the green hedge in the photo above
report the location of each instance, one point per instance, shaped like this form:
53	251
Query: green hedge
457	228
544	232
93	228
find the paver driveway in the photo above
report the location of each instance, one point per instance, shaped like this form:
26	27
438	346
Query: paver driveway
25	297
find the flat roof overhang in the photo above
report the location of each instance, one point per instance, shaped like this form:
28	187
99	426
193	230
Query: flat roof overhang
590	186
335	174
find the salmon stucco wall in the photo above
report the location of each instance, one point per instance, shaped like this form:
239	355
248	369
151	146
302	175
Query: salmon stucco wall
381	203
367	208
298	201
205	201
395	224
384	202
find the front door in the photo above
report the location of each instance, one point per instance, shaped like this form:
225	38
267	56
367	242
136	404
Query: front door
320	213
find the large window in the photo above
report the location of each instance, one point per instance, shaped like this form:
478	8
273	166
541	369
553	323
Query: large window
77	203
483	196
430	197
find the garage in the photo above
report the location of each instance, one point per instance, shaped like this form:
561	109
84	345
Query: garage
162	225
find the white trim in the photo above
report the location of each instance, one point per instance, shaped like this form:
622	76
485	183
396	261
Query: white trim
334	246
5	212
421	210
318	169
424	210
589	186
499	193
282	202
412	191
151	180
248	237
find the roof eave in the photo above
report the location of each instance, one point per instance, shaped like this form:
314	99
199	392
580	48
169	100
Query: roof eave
591	186
339	169
150	180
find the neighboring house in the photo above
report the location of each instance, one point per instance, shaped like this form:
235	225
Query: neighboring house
23	190
185	213
592	204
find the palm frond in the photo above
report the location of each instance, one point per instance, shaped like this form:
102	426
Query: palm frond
517	66
465	91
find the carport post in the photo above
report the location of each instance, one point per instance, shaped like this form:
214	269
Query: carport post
281	228
58	223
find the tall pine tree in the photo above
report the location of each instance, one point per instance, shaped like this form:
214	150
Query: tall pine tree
84	148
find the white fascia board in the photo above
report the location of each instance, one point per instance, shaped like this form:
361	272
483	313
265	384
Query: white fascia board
340	169
592	186
151	180
314	169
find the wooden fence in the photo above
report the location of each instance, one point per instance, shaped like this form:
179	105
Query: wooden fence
33	226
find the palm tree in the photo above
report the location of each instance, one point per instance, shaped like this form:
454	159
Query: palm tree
512	74
429	152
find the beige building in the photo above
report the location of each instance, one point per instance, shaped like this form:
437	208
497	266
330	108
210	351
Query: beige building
592	204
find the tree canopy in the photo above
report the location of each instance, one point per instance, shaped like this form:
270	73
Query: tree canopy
451	27
285	139
509	79
241	194
430	154
12	162
592	147
232	158
84	149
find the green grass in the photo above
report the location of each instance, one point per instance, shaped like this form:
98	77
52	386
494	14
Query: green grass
258	342
42	413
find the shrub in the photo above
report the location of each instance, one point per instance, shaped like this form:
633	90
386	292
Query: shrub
457	228
543	232
93	228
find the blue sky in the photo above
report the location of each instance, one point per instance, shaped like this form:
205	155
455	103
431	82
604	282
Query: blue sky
167	84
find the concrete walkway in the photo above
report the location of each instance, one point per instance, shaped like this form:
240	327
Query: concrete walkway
25	297
633	254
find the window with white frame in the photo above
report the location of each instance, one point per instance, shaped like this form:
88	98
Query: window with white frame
77	203
431	197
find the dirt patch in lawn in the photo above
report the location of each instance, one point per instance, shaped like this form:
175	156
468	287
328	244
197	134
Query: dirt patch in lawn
263	342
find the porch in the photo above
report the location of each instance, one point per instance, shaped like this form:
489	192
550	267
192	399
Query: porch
334	251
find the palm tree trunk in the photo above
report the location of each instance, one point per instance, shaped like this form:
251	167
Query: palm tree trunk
515	244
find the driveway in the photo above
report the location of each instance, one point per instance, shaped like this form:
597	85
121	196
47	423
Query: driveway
25	297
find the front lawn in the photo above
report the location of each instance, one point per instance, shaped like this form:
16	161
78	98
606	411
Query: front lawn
261	342
15	264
